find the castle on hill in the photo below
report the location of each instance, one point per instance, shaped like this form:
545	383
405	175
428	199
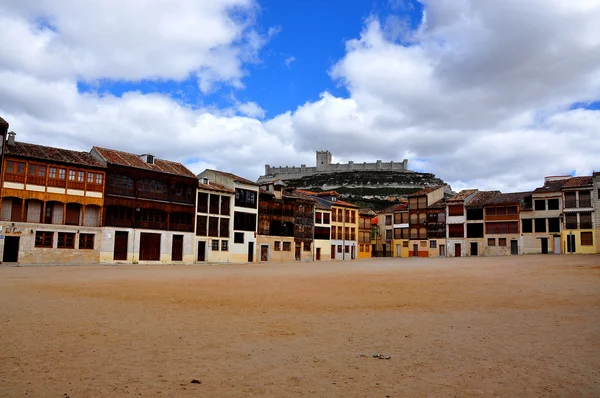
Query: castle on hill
324	166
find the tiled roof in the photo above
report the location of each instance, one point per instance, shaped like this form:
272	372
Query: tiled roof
3	123
132	160
234	177
33	151
344	204
482	198
424	191
213	186
394	207
552	186
509	198
440	204
461	196
577	182
366	212
322	204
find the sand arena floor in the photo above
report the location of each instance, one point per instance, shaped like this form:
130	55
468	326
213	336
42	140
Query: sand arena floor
511	326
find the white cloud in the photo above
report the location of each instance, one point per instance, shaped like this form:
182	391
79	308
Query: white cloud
481	94
289	60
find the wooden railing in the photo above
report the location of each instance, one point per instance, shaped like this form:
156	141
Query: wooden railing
502	217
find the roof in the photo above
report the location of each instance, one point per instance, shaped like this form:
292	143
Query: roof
213	186
508	198
34	151
342	203
552	186
234	177
366	212
424	191
322	204
440	204
578	182
3	123
461	196
482	198
394	207
121	158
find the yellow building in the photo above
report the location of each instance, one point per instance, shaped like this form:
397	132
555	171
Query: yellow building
578	235
364	232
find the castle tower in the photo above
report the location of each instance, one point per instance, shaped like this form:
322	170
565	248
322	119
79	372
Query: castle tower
323	160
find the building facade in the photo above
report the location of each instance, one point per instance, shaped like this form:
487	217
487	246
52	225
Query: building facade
364	232
501	219
51	200
578	235
214	222
418	204
149	209
456	229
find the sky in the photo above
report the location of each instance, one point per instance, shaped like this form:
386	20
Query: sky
484	94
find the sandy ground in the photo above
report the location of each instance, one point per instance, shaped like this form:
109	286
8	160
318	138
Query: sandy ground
509	326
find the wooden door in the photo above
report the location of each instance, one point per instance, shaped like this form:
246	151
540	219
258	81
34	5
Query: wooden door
264	252
177	248
120	251
416	250
201	251
457	250
333	252
250	252
17	206
514	247
318	253
72	217
149	247
11	249
297	252
474	251
544	245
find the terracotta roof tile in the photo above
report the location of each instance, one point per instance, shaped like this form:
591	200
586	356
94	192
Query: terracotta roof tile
344	204
578	182
132	160
482	198
366	212
440	204
394	207
509	198
424	191
235	178
461	196
552	186
213	186
33	151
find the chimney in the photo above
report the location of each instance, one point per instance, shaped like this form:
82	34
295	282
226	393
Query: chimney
11	138
147	158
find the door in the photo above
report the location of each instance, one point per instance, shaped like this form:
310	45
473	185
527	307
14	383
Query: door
264	252
570	243
557	245
120	252
398	250
443	251
318	253
201	251
373	250
333	252
514	247
352	252
250	252
11	249
177	248
544	245
17	206
383	249
149	247
457	250
416	250
474	251
297	251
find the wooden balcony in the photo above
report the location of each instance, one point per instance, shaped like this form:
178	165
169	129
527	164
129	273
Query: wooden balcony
503	217
14	177
181	227
35	180
120	191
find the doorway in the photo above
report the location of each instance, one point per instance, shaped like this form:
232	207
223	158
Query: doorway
11	249
443	251
177	248
571	243
318	253
474	249
149	247
416	250
297	251
544	245
557	245
120	250
264	252
514	247
332	252
457	250
201	251
352	252
384	250
250	252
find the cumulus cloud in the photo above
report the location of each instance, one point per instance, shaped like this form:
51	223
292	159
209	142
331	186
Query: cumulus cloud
289	60
481	93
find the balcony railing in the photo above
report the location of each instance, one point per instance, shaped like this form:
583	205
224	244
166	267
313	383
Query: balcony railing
120	191
153	195
183	199
502	217
181	227
15	177
35	180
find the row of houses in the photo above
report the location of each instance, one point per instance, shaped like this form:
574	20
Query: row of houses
107	206
562	216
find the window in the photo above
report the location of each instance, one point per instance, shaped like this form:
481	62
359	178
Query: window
455	210
571	221
554	224
585	220
52	172
433	244
98	178
322	233
201	226
238	237
570	199
397	218
414	219
15	167
553	204
152	186
62	174
361	248
587	239
277	246
43	239
214	245
347	249
86	241
540	204
404	244
422	218
475	230
474	214
224	228
527	225
244	221
306	246
318	217
66	240
585	199
388	234
245	198
491	241
90	178
502	228
224	245
423	244
287	247
214	204
213	226
540	225
397	233
225	205
339	248
456	230
202	202
325	218
501	241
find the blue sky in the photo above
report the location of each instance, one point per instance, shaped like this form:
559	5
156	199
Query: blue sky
484	94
